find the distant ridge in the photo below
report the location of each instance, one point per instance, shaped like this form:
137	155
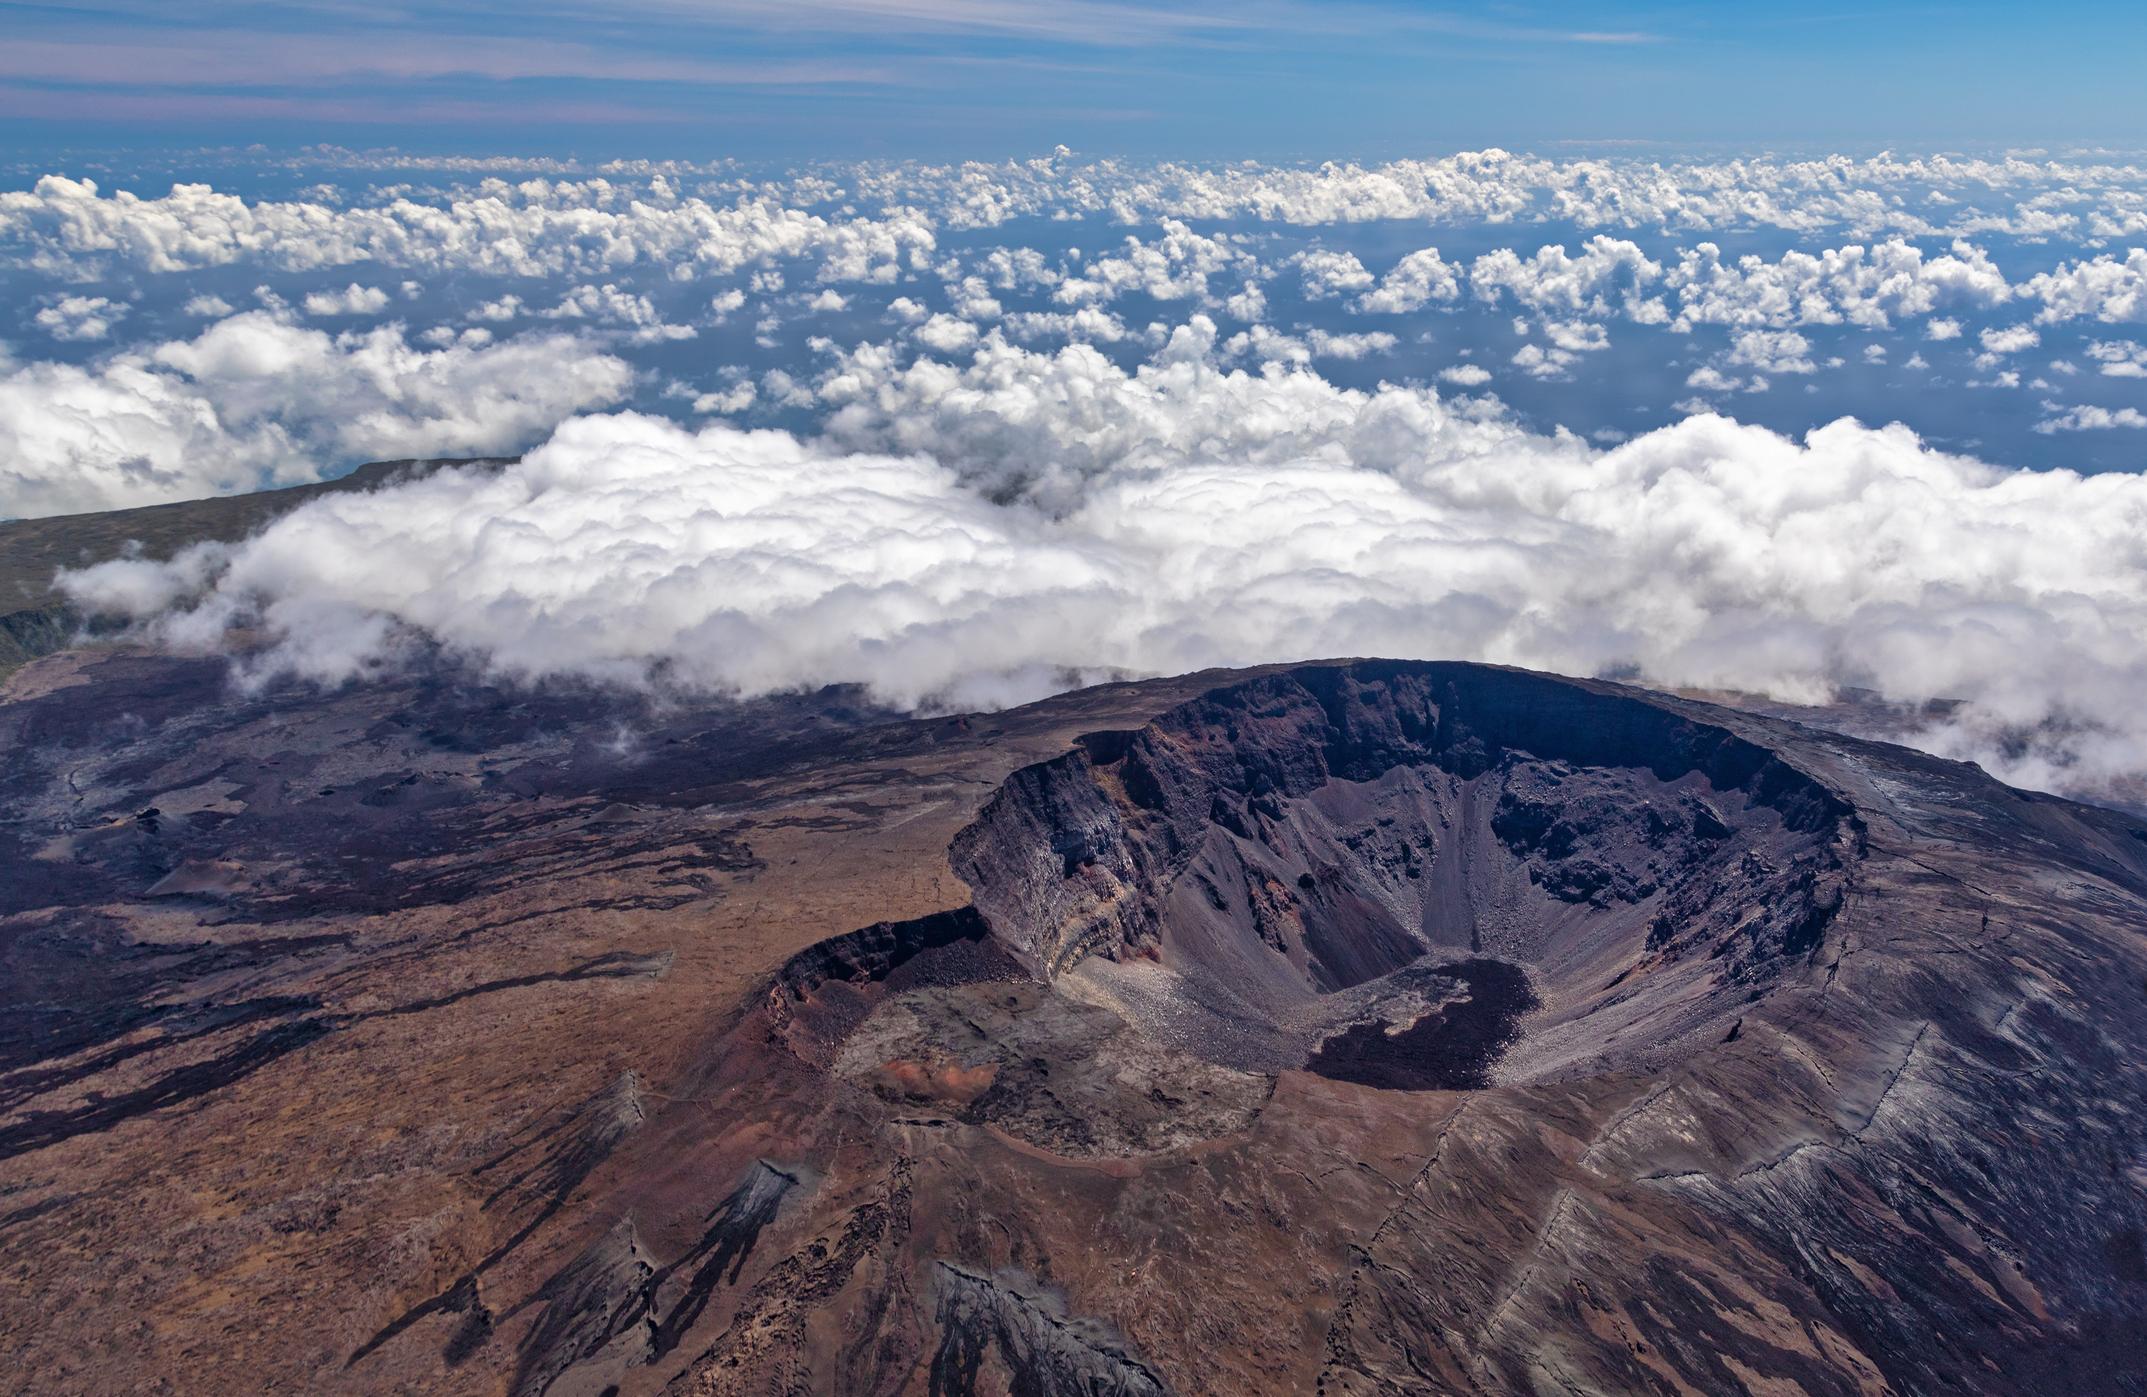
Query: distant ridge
35	620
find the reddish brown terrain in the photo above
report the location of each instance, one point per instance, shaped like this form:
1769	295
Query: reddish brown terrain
1349	1028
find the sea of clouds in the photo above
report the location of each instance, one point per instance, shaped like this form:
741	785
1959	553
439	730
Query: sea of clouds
967	472
982	535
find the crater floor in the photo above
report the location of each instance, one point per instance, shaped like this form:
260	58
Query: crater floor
1361	1027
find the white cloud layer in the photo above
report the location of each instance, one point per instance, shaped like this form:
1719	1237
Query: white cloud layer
990	502
984	532
68	227
256	400
1883	195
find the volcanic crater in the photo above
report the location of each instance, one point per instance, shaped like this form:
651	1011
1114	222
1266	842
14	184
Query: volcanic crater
1406	878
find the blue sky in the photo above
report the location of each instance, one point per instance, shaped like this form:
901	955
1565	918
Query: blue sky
1276	79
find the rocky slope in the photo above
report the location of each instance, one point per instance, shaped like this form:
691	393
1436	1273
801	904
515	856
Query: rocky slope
1348	1028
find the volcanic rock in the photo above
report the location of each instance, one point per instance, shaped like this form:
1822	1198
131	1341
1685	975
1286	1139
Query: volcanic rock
1345	1028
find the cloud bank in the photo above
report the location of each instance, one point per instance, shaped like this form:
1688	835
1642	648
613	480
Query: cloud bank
871	223
973	533
69	227
256	400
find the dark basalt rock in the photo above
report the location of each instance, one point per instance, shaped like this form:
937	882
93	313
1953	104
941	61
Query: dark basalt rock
1042	1351
1452	1048
872	954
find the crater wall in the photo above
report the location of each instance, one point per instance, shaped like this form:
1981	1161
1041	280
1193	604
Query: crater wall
1247	874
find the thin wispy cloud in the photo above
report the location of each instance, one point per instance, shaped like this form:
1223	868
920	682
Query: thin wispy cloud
1272	78
229	58
1077	21
344	107
603	67
1108	22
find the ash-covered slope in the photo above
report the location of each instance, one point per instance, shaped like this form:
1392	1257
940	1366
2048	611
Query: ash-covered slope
1351	1028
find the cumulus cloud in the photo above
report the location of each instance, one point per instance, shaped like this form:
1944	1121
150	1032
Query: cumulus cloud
1088	323
351	300
734	399
78	318
614	305
1773	351
1016	268
2088	417
1269	345
746	561
1579	336
1885	194
2107	288
1556	283
538	227
978	533
1416	281
1176	266
638	213
1327	274
946	333
971	298
256	400
1018	423
1539	361
1867	286
2009	339
1248	303
2119	358
1870	286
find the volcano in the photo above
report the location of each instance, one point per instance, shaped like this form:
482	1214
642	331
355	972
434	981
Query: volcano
1342	1028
